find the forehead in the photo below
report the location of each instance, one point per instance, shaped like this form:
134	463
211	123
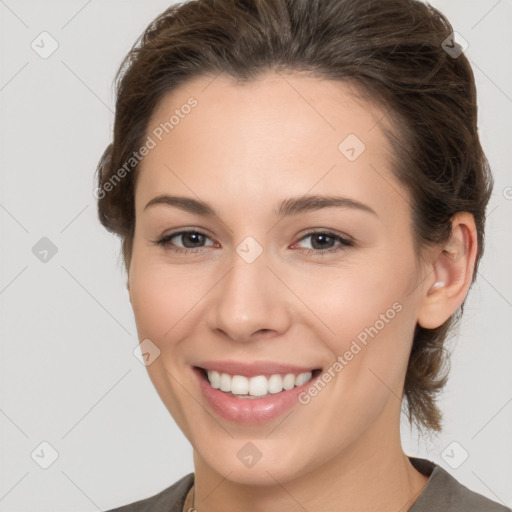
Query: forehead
280	132
274	103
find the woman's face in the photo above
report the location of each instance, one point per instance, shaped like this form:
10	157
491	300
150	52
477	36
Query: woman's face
270	282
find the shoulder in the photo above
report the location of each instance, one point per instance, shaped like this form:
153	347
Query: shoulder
444	492
466	500
170	499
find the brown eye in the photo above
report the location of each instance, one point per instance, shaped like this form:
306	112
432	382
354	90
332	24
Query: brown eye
184	240
323	242
191	240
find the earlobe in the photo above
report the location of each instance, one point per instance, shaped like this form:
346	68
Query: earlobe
451	273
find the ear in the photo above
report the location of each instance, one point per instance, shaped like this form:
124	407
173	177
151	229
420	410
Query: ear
450	273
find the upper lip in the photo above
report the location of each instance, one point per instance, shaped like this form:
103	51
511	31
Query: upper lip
255	368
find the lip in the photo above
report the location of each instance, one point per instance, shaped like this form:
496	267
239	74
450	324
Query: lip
250	411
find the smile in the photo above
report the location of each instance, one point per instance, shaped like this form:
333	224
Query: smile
258	386
252	394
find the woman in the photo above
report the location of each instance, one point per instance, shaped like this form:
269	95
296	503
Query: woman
300	192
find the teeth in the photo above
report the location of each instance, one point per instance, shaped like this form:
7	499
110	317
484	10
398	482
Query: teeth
302	378
214	378
275	384
239	385
289	381
256	386
225	382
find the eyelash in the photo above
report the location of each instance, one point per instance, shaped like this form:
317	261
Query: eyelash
344	243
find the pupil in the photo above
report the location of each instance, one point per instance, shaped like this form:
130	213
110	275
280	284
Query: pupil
321	237
197	236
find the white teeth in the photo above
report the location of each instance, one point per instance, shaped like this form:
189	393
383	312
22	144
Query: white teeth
239	385
225	382
289	381
275	384
302	378
214	378
256	386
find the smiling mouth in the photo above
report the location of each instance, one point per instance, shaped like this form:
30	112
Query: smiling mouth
260	386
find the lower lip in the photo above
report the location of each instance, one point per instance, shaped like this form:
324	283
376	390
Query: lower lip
249	410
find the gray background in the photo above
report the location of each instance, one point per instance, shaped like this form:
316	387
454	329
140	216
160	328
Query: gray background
68	373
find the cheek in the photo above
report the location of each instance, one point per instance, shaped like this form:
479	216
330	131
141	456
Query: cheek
164	301
371	316
361	301
165	298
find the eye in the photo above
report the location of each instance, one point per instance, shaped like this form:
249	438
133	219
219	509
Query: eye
324	242
191	241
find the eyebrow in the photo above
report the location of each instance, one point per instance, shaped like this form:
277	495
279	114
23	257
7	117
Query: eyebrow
290	206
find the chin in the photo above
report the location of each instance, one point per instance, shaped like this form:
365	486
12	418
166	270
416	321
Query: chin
254	462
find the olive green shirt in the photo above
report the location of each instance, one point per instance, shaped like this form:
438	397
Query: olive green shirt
443	493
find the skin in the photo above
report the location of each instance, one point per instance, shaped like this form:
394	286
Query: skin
244	149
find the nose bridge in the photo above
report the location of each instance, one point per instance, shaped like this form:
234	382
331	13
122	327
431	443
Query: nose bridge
248	299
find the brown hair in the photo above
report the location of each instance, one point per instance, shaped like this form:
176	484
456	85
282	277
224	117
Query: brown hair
393	51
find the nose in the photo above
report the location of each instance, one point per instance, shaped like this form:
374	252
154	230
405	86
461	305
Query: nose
249	302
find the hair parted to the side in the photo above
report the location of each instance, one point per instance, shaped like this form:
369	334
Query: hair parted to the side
389	50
